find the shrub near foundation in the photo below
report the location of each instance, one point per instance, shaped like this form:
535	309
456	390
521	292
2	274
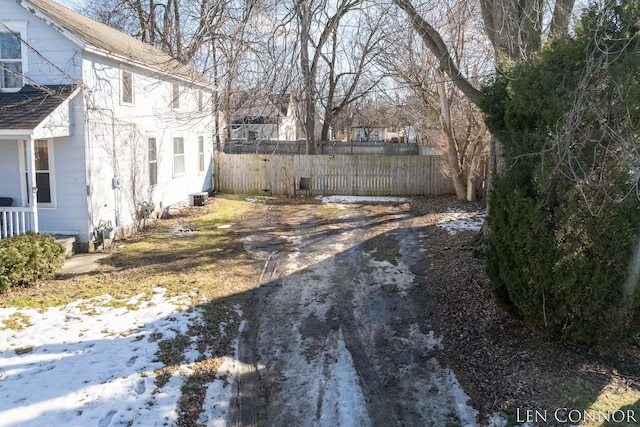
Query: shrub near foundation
27	258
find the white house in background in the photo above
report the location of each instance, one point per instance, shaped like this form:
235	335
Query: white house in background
270	117
96	128
362	133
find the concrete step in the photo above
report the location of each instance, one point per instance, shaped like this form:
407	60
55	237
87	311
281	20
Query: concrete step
68	242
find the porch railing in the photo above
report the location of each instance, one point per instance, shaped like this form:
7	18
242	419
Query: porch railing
14	221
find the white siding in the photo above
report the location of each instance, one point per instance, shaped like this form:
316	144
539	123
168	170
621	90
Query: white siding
125	156
62	63
69	215
108	138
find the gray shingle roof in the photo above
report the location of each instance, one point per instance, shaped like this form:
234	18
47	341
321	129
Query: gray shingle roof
113	42
28	107
265	109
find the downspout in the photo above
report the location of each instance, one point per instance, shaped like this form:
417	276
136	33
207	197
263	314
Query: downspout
88	161
116	176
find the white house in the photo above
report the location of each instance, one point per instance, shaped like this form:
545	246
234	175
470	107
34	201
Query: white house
97	129
372	133
270	117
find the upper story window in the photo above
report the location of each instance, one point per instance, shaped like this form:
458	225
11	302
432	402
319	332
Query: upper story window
175	96
126	87
12	55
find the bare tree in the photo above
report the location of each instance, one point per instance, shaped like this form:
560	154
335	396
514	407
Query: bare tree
370	115
514	27
316	23
180	28
461	134
350	68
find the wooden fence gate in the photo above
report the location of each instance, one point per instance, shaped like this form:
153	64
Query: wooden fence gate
348	175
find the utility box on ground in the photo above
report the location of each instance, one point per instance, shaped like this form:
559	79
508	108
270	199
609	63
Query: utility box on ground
198	199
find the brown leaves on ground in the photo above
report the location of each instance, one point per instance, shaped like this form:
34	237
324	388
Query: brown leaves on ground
502	364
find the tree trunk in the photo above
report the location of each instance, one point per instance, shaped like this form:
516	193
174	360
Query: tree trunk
177	29
494	168
560	19
307	75
326	127
455	172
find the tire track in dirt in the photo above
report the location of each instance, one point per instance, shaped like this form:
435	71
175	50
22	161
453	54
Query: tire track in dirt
338	332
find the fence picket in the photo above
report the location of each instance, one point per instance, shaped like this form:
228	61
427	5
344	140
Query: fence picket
358	175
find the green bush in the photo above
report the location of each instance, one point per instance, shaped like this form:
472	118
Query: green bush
27	258
564	248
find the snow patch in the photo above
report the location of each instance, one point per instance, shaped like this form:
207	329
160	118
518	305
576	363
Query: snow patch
259	199
87	364
455	221
360	199
466	414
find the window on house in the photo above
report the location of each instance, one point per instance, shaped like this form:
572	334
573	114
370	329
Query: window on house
201	154
10	61
200	101
175	96
126	90
153	162
178	156
43	171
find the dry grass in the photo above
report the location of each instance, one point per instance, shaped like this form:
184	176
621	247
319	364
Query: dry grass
204	261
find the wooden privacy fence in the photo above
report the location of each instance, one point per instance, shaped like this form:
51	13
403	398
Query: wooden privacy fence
353	175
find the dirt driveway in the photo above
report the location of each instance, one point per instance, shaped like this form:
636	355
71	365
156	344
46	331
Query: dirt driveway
342	330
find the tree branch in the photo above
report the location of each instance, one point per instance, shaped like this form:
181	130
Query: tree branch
433	40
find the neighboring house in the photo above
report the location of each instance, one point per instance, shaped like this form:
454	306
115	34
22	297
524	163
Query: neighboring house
267	117
372	133
97	129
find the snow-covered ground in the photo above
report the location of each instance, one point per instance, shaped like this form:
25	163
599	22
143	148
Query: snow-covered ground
452	221
89	363
361	199
455	221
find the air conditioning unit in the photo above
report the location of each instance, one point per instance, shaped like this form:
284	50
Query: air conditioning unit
198	199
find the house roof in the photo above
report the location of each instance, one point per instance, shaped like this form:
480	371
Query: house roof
28	107
263	109
111	42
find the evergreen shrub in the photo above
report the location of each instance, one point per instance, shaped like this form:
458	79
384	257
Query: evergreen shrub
29	257
564	246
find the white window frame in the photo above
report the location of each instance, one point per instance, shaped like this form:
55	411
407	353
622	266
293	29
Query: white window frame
201	157
124	71
153	162
20	29
175	96
178	157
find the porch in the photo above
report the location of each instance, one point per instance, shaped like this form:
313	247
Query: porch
18	220
32	117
